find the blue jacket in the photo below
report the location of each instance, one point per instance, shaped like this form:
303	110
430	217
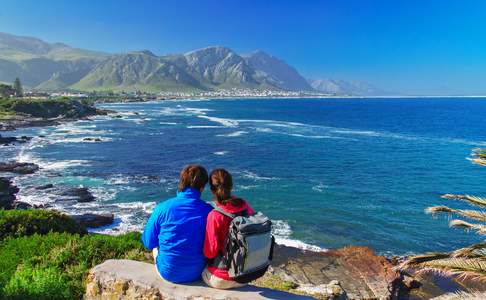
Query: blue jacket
177	227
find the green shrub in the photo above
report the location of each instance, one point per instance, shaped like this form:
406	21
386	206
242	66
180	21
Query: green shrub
17	223
55	265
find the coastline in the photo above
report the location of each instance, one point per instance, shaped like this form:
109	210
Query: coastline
306	259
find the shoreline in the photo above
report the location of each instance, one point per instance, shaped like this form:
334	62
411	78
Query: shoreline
295	260
290	242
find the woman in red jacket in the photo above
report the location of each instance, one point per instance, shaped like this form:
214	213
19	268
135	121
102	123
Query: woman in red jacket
217	228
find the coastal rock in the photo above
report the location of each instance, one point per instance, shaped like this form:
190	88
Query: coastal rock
6	127
19	167
25	205
90	139
10	140
94	220
45	187
80	194
358	271
128	279
7	193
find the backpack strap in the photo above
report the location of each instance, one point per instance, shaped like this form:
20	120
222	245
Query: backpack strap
229	215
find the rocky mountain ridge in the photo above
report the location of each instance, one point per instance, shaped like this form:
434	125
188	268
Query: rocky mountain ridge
56	66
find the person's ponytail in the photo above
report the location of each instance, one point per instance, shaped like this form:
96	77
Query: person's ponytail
221	184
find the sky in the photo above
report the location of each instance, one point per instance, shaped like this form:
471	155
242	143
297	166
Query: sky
405	47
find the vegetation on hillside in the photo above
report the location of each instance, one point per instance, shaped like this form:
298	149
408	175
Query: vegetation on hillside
52	260
469	262
6	90
18	223
55	266
47	108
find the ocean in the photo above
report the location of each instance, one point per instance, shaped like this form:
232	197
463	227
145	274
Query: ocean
328	172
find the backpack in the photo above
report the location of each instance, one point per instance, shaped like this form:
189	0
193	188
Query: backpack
249	245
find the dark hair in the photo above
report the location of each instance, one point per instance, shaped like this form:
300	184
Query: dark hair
221	184
193	176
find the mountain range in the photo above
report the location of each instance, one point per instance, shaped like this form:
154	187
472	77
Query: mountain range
56	66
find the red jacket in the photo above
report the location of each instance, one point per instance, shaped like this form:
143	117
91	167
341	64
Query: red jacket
217	228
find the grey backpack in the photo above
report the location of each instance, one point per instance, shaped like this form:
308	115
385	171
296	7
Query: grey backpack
248	247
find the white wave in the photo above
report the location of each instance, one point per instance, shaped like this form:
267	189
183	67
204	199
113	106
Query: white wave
262	129
78	129
103	194
203	126
234	134
314	136
87	139
220	152
118	179
222	121
319	188
298	244
195	111
168	123
146	207
274	122
254	176
282	232
242	187
357	132
60	164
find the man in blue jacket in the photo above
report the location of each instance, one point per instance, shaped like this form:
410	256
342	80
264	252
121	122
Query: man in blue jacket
175	230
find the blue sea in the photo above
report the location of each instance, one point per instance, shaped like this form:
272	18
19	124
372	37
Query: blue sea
328	172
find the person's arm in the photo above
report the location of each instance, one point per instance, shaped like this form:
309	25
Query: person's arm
150	236
211	241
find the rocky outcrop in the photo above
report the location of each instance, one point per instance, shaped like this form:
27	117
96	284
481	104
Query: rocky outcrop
94	220
80	194
10	140
357	270
19	167
347	273
127	279
7	193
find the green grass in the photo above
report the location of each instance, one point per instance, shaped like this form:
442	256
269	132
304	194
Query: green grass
47	255
55	266
18	223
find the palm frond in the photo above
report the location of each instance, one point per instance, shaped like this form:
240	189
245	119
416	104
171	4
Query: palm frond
471	199
481	229
472	214
418	260
472	268
462	296
477	250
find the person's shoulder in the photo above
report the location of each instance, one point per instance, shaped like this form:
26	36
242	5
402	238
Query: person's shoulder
207	206
166	204
247	206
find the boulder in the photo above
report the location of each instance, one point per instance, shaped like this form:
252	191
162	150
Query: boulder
6	127
360	273
80	194
45	186
94	220
7	193
91	139
128	279
25	205
19	167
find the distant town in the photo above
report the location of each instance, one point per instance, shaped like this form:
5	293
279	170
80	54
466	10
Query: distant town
16	90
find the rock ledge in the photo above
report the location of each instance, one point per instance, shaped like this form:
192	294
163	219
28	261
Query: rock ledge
128	279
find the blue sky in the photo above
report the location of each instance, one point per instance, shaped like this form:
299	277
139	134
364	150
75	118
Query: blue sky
420	47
